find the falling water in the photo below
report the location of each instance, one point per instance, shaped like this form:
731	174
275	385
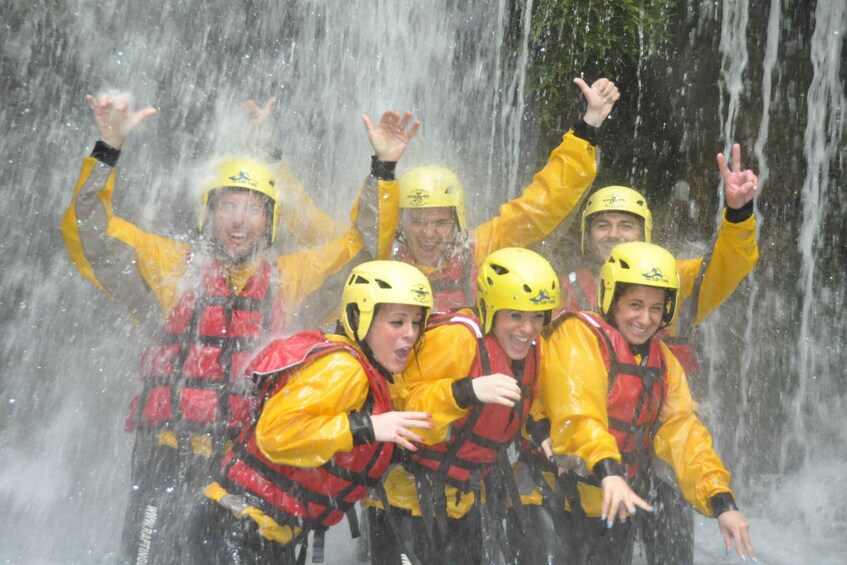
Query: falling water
67	354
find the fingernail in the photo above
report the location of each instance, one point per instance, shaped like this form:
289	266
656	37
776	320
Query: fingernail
603	517
744	558
727	553
754	559
609	525
634	510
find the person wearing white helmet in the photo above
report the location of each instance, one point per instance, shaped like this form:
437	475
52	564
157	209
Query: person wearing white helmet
428	222
216	299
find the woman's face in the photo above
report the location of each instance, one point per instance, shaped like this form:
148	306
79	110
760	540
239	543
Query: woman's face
515	330
638	313
393	332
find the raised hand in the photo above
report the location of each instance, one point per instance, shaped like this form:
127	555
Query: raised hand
259	115
739	186
601	97
397	427
115	118
390	137
497	389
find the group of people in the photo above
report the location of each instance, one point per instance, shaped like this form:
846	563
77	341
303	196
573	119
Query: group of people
469	399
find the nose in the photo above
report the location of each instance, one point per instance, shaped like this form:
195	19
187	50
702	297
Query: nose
411	333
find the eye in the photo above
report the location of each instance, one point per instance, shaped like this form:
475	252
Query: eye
255	209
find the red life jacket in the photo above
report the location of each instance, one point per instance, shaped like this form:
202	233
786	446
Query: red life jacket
194	378
313	497
636	391
477	439
580	291
454	284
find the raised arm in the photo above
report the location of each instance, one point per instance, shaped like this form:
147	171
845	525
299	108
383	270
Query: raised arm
735	252
556	190
119	258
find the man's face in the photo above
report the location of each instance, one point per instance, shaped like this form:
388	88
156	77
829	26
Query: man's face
608	229
429	231
239	222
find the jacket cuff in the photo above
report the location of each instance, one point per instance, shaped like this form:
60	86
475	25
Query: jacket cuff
539	430
738	215
722	502
608	468
361	428
463	392
105	153
382	170
589	133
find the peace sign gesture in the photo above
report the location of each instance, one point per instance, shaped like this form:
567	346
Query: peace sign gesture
739	186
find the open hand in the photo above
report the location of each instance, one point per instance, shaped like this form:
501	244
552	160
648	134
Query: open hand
115	118
390	137
601	97
736	529
396	427
739	186
260	115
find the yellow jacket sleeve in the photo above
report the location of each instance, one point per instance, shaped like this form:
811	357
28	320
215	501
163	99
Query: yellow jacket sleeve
734	256
306	423
430	375
574	384
555	191
123	261
685	444
304	222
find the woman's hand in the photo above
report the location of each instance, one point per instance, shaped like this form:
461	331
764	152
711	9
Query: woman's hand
735	528
619	499
397	427
497	389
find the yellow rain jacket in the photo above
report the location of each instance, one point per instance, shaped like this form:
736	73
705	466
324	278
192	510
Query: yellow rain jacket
306	424
446	354
128	264
555	191
573	388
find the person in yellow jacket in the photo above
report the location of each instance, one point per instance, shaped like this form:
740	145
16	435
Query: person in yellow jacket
619	404
428	222
477	378
616	214
214	301
325	427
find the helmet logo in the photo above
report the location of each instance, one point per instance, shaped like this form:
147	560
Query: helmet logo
614	201
543	297
418	197
243	178
420	293
655	275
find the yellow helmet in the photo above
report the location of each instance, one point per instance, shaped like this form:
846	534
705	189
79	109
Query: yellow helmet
639	263
432	186
381	282
617	199
514	278
245	174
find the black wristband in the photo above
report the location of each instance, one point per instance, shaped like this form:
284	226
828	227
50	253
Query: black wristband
722	502
608	468
105	153
463	392
738	215
589	133
539	430
361	428
382	170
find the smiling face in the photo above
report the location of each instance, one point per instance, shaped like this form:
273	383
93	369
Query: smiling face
515	330
607	229
240	222
393	333
429	231
637	313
